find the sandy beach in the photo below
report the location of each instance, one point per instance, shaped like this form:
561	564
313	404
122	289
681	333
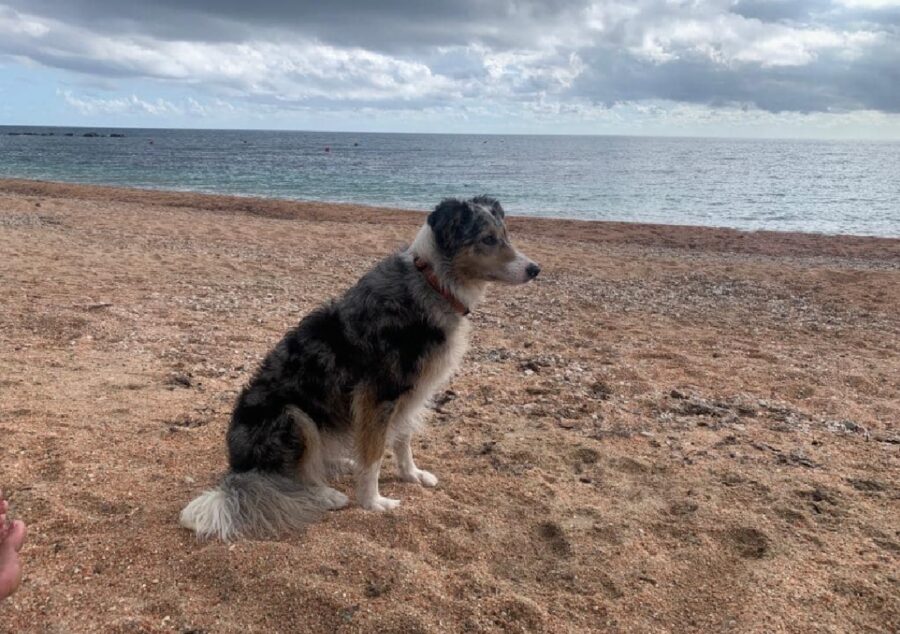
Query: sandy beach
674	429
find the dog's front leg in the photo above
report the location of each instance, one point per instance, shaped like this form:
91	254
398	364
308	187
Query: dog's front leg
370	421
409	472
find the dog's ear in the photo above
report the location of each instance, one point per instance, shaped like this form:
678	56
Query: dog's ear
492	204
451	223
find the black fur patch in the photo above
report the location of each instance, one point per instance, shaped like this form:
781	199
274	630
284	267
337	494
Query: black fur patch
492	204
456	223
453	224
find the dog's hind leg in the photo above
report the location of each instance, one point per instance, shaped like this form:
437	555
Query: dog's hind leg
370	426
338	454
409	472
312	463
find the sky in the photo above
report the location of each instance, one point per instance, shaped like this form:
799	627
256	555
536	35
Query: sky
748	68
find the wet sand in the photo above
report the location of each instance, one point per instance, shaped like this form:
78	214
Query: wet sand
674	429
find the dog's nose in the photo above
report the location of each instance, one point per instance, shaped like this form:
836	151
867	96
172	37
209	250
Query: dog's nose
532	270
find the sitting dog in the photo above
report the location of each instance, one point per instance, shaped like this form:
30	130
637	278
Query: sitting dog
354	377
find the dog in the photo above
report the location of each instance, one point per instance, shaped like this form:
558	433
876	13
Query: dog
354	377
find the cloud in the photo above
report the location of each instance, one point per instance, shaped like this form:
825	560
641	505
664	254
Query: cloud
89	105
869	4
403	55
120	105
300	71
390	25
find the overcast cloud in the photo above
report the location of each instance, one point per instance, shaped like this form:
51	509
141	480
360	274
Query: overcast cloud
464	58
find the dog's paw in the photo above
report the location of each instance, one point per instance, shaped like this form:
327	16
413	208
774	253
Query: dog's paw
333	499
380	503
420	476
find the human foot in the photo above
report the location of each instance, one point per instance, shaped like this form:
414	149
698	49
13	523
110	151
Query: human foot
12	536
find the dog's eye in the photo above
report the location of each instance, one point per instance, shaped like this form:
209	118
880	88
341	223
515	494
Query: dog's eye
489	240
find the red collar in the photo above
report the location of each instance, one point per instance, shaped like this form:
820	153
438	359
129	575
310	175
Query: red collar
427	271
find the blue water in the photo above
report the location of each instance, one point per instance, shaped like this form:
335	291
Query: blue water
848	187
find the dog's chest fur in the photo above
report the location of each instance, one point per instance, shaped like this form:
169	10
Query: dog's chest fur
436	369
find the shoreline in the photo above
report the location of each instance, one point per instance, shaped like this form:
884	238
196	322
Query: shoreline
722	239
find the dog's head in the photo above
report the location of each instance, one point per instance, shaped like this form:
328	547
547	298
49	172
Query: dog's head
471	236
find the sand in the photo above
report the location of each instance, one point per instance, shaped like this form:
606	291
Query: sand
673	430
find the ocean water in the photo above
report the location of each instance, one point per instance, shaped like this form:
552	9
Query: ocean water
850	187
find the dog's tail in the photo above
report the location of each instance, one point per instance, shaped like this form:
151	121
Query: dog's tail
252	504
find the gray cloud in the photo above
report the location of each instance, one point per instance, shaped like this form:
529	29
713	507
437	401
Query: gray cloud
827	83
775	55
390	25
782	10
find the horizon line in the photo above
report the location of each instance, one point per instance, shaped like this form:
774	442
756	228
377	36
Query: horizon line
498	134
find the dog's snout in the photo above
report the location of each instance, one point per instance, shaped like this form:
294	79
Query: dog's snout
532	270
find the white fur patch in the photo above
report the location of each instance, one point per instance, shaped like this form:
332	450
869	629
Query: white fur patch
331	498
209	515
516	272
367	495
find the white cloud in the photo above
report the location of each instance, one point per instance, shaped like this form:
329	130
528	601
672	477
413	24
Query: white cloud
133	105
730	38
119	105
868	4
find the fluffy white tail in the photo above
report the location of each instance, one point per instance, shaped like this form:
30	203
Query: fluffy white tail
253	504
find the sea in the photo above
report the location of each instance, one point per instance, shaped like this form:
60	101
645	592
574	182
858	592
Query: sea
832	187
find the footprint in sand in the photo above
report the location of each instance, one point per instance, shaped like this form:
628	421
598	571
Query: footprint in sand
552	534
749	543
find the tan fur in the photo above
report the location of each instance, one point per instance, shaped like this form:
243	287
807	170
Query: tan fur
370	424
484	262
481	264
312	465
